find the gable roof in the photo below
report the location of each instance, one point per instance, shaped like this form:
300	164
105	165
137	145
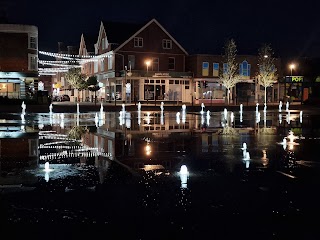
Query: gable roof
144	27
119	32
89	41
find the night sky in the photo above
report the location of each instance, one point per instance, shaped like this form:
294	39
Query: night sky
290	27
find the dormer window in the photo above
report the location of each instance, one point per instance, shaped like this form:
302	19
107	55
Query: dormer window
138	42
166	44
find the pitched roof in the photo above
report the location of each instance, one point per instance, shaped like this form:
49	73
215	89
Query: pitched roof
144	26
119	32
89	40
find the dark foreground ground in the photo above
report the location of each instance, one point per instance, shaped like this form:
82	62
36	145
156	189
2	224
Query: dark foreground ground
259	204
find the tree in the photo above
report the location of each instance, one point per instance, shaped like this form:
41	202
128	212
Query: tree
267	70
93	86
76	79
229	74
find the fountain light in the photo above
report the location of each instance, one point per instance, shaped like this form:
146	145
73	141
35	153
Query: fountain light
280	106
184	175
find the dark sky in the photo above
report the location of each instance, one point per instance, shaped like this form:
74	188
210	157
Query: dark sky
290	27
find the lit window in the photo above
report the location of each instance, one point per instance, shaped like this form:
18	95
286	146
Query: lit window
244	69
166	44
138	42
215	72
205	69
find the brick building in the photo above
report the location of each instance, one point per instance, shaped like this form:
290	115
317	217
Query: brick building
18	60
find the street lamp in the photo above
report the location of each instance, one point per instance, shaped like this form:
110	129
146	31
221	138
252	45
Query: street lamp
147	62
291	66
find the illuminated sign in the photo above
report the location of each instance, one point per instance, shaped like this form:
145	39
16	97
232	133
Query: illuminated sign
297	78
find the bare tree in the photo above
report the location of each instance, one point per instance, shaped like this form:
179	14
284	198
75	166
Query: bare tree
229	75
76	79
267	70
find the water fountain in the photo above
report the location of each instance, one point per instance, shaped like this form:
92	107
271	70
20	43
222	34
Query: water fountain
225	114
257	108
184	175
287	106
241	108
23	106
265	108
208	118
280	106
139	106
178	117
288	117
78	111
300	116
202	107
231	117
161	107
123	108
47	169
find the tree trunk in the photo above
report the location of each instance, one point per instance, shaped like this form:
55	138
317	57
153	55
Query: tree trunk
265	95
228	95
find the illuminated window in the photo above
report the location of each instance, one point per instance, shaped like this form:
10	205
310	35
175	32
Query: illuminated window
215	72
205	69
244	69
138	42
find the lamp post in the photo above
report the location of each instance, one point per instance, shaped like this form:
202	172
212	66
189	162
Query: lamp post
292	66
147	63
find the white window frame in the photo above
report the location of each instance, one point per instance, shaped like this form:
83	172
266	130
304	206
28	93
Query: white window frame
166	43
138	42
30	57
30	42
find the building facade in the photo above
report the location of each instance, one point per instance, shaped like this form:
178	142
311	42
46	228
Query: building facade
208	87
18	61
147	64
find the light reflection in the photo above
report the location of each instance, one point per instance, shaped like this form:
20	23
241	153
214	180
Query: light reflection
184	175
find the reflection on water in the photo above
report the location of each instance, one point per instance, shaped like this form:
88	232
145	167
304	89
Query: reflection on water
202	140
171	156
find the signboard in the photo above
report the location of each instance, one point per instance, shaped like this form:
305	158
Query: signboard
294	79
161	75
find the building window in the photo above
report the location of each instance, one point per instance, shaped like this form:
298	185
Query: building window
166	44
102	64
131	61
215	72
33	43
225	67
109	62
244	69
138	42
32	62
171	65
205	69
155	64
